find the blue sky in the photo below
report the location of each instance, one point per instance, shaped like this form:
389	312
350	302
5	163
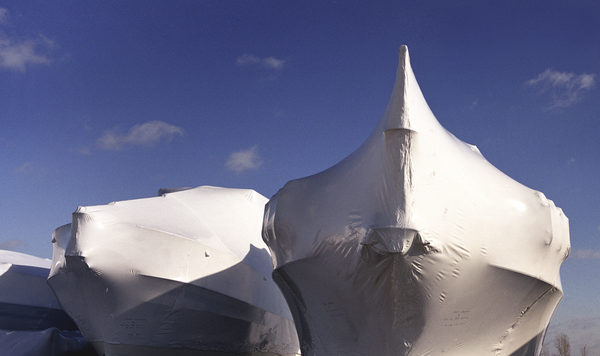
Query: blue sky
104	101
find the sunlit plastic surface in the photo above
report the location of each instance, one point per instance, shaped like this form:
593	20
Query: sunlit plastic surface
416	245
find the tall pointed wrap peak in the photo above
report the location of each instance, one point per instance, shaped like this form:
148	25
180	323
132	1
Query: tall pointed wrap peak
407	108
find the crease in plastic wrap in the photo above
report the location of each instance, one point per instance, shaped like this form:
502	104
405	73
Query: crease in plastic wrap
416	245
182	273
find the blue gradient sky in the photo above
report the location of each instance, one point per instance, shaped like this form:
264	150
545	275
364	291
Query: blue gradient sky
104	101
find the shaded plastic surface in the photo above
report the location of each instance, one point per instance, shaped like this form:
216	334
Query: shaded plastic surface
26	301
186	272
26	317
48	342
23	280
416	245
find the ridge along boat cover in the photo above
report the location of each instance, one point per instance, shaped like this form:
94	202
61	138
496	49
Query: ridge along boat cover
416	245
185	273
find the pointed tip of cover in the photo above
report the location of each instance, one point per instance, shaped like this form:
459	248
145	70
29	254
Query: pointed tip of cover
395	115
403	63
403	52
403	57
407	107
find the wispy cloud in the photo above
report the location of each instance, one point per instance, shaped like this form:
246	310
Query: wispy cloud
564	88
586	254
85	151
147	134
273	63
19	54
10	244
3	15
244	160
26	167
266	62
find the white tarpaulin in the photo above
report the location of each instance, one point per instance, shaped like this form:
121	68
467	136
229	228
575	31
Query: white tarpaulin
26	301
416	245
32	323
181	273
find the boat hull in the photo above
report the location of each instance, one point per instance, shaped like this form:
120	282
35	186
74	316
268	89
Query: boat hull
129	350
140	315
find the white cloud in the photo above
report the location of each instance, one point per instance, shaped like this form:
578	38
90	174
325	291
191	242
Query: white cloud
146	134
586	254
17	55
565	88
267	62
244	160
273	63
10	244
24	168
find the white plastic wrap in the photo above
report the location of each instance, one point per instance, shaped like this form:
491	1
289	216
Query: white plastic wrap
186	272
32	323
26	301
416	245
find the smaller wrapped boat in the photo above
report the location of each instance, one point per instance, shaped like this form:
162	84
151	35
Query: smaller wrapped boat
31	319
26	302
184	273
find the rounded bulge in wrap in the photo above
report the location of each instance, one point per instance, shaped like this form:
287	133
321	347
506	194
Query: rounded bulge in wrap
416	245
183	273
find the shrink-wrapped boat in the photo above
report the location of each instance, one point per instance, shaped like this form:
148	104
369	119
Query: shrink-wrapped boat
416	245
184	273
31	319
26	302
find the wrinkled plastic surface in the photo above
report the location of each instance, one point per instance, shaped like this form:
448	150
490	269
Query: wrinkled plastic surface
183	273
416	245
